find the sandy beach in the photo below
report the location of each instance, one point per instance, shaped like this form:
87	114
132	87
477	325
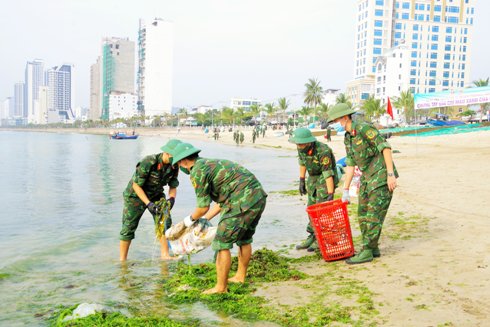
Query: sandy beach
435	263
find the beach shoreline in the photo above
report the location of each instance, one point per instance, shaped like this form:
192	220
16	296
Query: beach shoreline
435	263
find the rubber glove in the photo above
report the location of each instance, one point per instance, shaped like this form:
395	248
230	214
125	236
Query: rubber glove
152	208
302	186
171	200
330	197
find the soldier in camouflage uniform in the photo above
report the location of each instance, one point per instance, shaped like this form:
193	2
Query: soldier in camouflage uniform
146	187
369	151
318	160
239	198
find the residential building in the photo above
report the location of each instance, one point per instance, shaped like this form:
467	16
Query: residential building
95	111
392	73
155	67
360	89
241	103
60	92
122	105
437	34
116	71
18	111
41	106
34	78
330	96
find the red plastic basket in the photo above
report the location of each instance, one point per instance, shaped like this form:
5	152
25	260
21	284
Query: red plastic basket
332	229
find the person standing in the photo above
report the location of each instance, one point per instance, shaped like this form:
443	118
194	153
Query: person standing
254	135
371	153
329	134
318	160
146	187
239	199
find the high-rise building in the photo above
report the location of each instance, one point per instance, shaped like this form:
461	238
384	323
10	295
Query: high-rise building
113	73
18	111
60	95
155	55
95	111
5	111
437	34
34	78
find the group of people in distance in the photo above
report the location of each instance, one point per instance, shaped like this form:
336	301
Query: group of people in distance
240	199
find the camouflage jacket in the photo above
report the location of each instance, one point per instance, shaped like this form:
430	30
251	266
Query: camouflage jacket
227	183
364	147
319	160
152	175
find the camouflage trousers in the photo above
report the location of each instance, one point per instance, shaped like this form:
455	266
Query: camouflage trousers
239	228
132	212
371	211
317	193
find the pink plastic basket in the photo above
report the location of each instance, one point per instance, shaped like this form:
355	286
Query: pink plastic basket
332	229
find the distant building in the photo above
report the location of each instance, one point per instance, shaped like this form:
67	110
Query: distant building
359	90
95	111
60	92
122	105
5	111
34	78
201	110
41	106
392	74
239	103
155	67
330	96
437	34
18	111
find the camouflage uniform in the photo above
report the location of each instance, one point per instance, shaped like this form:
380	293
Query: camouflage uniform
152	175
239	194
364	146
320	165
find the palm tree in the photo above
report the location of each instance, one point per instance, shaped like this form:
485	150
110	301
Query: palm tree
480	83
227	115
255	109
342	98
405	101
270	109
314	93
305	111
372	107
283	105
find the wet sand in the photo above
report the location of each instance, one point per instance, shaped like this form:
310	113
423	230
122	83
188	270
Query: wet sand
435	263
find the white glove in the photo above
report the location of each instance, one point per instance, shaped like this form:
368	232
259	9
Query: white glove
346	196
188	222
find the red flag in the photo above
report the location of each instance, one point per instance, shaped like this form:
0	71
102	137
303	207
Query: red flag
389	109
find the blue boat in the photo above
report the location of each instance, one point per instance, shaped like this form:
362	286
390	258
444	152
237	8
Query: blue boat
437	122
123	136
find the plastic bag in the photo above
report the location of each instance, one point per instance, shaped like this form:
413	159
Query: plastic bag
356	182
192	239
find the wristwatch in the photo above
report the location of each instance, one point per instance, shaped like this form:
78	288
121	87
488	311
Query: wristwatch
391	174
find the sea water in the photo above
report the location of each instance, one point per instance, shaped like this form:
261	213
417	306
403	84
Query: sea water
61	204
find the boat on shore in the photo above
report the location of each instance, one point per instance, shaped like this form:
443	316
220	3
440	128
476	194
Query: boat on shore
123	136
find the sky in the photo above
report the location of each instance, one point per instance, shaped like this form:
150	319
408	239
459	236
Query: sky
264	49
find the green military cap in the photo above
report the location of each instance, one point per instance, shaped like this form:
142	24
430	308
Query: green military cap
339	110
301	136
182	151
170	146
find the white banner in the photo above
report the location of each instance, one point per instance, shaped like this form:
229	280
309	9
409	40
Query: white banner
462	97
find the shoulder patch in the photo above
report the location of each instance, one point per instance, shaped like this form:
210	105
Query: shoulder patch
370	133
326	161
193	181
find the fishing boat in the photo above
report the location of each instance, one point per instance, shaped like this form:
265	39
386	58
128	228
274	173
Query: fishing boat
123	136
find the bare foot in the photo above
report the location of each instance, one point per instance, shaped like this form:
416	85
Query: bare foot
214	290
235	279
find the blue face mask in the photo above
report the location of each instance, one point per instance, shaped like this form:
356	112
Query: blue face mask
184	170
170	160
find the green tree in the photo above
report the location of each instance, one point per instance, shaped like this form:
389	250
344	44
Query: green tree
283	105
255	110
314	93
405	101
270	109
483	106
372	107
227	115
343	98
305	111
